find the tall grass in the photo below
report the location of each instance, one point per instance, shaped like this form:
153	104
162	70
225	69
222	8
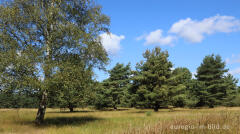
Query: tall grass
219	122
127	121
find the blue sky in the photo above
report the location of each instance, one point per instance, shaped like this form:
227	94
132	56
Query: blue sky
189	30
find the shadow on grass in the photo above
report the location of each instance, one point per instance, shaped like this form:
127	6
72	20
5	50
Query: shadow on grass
63	121
88	111
73	121
82	111
160	111
139	112
111	109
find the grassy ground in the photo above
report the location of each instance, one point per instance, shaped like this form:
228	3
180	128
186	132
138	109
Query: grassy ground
124	121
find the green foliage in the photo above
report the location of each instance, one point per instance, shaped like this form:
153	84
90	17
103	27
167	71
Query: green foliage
102	97
211	73
182	74
48	50
24	99
178	86
150	83
114	91
72	84
40	38
148	113
236	100
231	93
196	93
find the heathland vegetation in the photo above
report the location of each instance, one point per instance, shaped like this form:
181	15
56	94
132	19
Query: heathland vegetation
48	51
219	120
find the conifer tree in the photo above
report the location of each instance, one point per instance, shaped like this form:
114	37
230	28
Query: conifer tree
211	73
230	84
150	83
116	86
180	77
196	94
102	98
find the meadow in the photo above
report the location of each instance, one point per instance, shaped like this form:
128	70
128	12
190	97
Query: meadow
123	121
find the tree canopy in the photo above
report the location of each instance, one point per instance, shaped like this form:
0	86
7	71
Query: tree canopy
50	48
211	73
151	79
115	90
41	37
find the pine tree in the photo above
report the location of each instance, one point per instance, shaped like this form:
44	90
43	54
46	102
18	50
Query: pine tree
150	82
211	73
180	77
102	98
230	84
116	86
196	94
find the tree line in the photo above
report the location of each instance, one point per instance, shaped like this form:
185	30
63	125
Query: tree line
153	84
49	48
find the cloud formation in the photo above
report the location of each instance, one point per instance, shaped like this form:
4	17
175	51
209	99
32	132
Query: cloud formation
235	71
233	59
156	37
193	31
111	42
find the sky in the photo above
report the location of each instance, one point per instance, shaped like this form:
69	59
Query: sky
189	30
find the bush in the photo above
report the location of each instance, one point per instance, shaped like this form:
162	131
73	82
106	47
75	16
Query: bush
148	113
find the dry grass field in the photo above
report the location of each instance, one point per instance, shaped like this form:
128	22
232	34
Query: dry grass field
124	121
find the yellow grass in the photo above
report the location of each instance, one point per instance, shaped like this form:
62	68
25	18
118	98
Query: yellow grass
127	121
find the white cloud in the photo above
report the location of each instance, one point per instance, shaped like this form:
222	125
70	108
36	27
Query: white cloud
111	42
141	37
156	37
233	59
235	71
194	31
